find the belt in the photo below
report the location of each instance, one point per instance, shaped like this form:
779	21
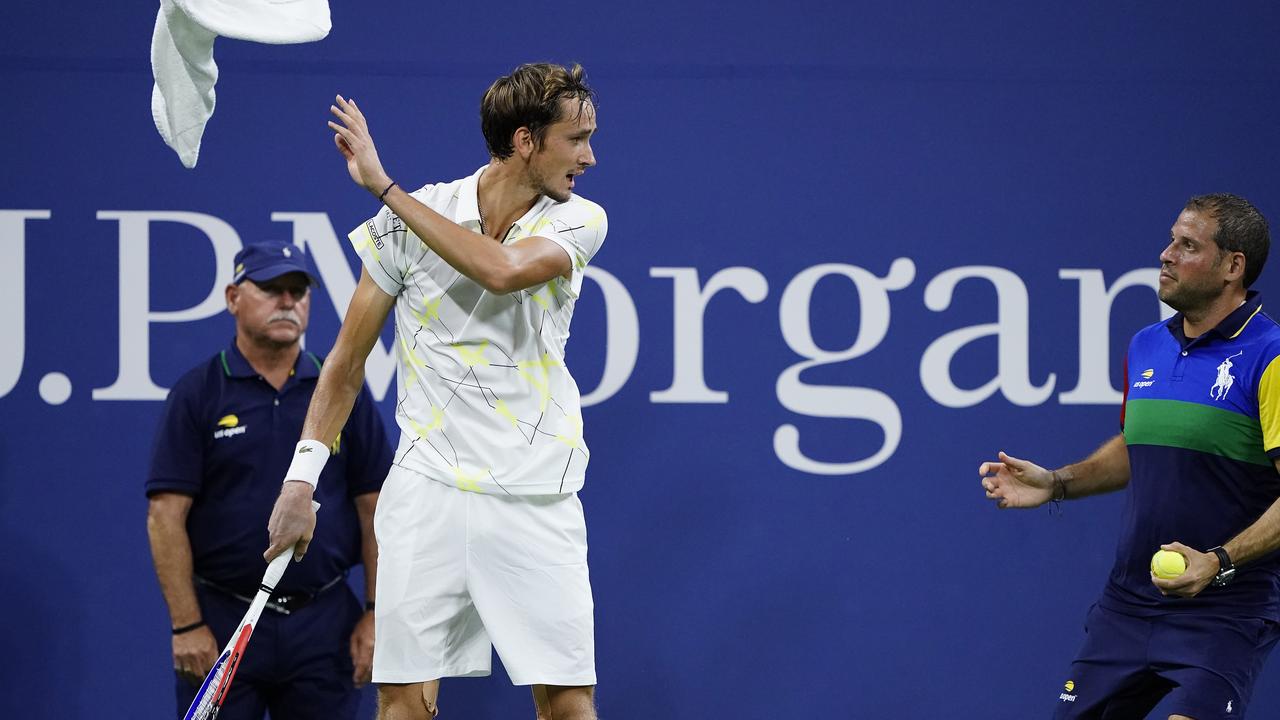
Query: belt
283	603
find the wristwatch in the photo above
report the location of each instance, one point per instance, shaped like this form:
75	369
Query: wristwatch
1226	568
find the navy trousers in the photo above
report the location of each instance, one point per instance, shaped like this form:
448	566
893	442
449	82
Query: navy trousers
296	666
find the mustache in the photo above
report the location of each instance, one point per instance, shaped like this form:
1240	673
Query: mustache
286	316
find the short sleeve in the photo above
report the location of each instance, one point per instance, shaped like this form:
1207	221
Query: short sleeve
1124	401
578	226
177	456
386	248
365	435
1269	408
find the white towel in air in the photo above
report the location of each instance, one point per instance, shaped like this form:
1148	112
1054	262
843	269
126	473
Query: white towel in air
182	55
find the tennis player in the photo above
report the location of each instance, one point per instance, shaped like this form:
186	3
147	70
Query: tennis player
481	536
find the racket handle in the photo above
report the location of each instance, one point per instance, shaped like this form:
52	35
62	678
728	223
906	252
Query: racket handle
277	567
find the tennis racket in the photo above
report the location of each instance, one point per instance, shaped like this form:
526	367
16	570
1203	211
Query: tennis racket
213	692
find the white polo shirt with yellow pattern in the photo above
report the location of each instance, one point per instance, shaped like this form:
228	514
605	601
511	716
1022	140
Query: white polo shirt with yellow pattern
484	400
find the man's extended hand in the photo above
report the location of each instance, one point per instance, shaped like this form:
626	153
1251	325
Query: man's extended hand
1202	568
362	650
1015	483
351	135
293	521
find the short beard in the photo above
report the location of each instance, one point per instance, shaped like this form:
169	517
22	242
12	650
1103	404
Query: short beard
555	197
545	190
1185	299
542	187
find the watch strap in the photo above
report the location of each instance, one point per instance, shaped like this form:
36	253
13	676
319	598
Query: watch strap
1226	568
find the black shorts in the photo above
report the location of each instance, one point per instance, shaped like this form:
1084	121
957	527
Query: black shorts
1204	665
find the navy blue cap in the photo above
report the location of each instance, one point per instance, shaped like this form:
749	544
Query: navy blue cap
267	260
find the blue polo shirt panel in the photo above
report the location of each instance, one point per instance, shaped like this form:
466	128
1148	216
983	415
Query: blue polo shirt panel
1202	425
226	438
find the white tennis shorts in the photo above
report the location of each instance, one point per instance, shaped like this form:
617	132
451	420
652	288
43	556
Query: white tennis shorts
460	572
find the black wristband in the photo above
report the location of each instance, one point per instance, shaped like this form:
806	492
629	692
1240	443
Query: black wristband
188	628
368	606
382	197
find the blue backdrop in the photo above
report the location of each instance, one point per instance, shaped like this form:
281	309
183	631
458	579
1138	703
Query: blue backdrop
855	250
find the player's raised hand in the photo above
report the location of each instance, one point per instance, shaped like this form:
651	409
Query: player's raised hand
1015	483
351	135
293	521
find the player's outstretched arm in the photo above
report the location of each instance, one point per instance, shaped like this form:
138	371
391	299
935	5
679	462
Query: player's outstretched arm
1016	483
1106	470
292	519
496	267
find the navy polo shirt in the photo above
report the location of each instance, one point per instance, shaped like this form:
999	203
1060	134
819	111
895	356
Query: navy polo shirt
226	438
1201	420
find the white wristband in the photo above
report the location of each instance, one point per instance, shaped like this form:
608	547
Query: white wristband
309	458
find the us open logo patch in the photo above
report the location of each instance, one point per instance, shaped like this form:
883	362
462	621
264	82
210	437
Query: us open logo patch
1069	695
229	426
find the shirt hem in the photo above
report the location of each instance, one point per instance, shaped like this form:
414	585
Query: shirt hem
156	487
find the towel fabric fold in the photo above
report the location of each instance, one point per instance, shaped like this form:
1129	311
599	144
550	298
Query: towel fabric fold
182	98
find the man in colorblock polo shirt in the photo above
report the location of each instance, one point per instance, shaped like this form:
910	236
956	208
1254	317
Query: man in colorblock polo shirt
214	473
1199	452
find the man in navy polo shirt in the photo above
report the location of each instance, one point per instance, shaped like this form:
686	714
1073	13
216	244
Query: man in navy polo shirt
1199	451
214	475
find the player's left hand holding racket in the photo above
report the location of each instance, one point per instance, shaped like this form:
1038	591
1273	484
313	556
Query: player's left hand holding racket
213	692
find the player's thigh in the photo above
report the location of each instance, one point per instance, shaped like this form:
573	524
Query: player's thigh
408	701
421	530
531	585
1213	661
426	626
555	702
1110	677
1115	696
1204	695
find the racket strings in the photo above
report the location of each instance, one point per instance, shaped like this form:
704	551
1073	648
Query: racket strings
205	704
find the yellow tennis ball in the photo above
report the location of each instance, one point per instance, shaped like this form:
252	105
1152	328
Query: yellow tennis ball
1167	564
